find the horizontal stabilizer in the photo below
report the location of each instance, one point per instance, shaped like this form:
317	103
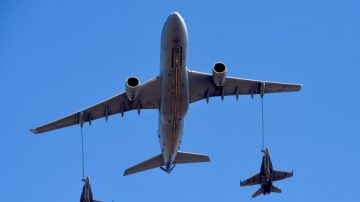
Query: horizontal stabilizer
275	189
258	192
185	157
154	162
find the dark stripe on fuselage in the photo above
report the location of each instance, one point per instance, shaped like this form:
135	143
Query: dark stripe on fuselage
180	56
175	92
172	57
175	96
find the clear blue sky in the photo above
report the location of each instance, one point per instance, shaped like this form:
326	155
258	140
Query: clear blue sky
57	57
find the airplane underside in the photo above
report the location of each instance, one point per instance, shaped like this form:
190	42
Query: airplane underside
171	93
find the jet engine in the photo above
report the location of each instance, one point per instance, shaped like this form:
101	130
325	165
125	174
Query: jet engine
132	86
219	74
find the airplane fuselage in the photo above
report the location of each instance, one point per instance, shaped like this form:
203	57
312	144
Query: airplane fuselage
266	176
266	172
86	195
175	87
171	93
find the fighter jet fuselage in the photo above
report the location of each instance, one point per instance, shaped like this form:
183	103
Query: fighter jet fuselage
86	194
266	176
266	172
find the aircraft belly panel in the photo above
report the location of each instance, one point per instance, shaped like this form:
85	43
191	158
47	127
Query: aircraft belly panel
175	87
174	105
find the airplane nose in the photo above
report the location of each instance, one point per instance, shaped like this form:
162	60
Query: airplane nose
175	14
175	19
174	28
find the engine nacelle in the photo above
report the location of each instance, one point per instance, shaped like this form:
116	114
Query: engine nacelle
132	86
219	74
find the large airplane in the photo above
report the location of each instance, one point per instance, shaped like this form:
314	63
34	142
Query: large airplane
86	194
170	93
266	177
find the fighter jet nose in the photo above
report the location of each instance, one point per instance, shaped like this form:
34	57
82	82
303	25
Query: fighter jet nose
87	180
265	150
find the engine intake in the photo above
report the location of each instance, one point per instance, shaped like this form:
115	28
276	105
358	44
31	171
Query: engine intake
219	74
132	86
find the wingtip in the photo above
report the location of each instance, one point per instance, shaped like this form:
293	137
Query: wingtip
126	172
301	86
208	159
34	131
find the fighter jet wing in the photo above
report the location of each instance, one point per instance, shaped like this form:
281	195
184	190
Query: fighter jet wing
256	179
202	87
148	98
279	175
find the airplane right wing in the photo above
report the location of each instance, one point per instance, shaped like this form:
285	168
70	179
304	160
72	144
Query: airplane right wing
279	175
148	98
256	179
202	87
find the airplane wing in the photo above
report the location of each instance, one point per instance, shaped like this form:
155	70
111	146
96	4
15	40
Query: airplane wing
279	175
203	87
256	179
148	98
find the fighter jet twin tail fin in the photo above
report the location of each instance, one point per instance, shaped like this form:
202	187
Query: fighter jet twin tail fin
261	190
158	161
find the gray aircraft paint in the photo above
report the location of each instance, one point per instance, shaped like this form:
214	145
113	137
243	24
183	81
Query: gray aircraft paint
267	164
170	93
175	89
266	177
86	194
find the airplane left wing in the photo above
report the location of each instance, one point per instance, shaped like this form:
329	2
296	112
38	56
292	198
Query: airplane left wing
256	179
202	87
148	98
279	175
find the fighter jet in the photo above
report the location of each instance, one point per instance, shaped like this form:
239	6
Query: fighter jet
86	194
266	177
170	94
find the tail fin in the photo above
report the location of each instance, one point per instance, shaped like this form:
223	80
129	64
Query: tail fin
258	192
185	157
154	162
275	189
